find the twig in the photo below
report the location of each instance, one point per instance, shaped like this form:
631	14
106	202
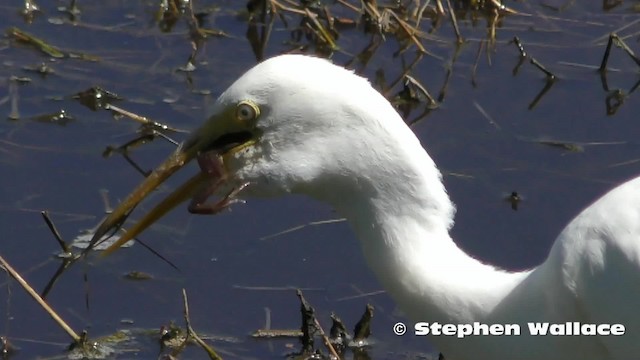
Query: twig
615	39
276	5
38	43
298	227
409	31
541	67
421	11
454	21
547	86
423	90
523	55
14	96
607	52
503	8
475	64
142	119
450	67
65	248
276	333
14	274
346	4
439	7
325	35
486	115
516	41
190	332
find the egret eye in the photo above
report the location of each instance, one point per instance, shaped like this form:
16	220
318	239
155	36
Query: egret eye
247	111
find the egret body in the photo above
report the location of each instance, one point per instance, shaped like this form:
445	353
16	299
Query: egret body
298	124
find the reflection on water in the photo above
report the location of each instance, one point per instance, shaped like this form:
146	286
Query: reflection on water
492	134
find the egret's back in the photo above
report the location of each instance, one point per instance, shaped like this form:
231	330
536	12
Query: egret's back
598	255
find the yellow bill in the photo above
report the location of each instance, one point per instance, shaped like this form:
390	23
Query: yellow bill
231	129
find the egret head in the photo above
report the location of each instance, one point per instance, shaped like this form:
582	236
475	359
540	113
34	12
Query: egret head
290	124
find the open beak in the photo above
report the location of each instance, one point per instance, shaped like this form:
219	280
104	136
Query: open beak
221	134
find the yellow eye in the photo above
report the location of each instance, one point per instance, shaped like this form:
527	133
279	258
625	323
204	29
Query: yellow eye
247	111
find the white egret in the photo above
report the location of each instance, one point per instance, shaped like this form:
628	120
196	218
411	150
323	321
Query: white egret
298	124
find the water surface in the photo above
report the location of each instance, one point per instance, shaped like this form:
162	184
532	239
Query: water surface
222	260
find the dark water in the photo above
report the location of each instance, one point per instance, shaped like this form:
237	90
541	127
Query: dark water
223	264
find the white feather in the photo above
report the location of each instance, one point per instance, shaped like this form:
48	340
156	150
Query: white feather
328	134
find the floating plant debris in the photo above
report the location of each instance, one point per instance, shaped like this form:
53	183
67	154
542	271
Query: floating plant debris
96	98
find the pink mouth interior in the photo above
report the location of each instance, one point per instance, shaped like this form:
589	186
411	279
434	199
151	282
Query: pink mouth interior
212	166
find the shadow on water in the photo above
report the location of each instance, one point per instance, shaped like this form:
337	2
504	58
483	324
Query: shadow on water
511	106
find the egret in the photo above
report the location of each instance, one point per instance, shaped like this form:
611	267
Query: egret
299	124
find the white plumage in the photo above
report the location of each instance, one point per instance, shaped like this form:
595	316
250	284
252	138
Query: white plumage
325	132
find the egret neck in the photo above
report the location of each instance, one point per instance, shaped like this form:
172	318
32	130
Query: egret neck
395	201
